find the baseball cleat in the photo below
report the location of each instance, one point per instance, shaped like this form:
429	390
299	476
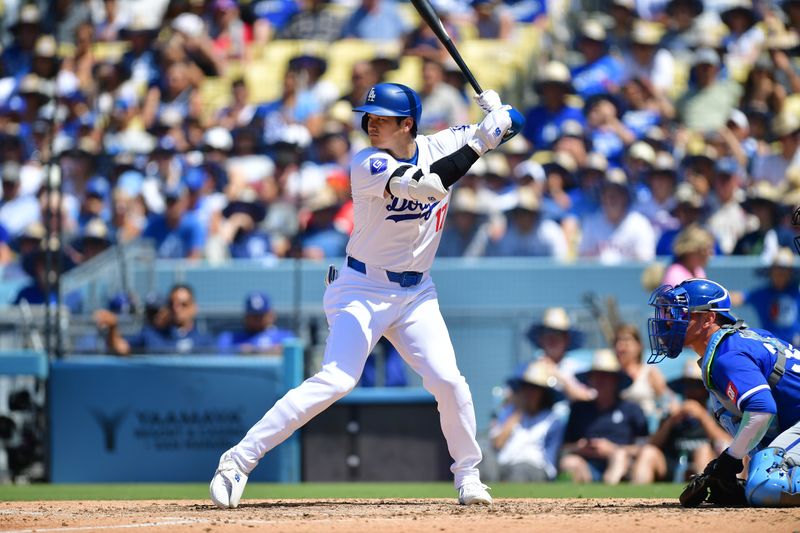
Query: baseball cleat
474	493
228	483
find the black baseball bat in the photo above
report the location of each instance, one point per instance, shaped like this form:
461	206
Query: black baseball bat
430	16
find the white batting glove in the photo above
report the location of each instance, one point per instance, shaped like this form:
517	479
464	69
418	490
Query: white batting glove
491	130
488	100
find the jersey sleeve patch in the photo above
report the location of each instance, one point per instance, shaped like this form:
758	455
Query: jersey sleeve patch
378	165
731	392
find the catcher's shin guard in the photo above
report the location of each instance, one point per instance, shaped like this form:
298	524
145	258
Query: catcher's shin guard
772	481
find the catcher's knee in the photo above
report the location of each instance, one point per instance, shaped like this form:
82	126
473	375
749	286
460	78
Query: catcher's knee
771	481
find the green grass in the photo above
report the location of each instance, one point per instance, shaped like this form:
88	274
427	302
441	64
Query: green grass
197	491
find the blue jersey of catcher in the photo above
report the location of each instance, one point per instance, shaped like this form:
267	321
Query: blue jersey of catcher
740	364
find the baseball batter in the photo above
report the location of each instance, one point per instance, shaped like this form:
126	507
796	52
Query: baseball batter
401	190
755	380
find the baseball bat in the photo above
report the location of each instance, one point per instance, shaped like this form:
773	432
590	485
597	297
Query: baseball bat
432	19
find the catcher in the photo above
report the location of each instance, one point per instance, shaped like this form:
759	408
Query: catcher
756	379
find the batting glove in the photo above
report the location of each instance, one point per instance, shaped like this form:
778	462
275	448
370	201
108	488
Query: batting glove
490	131
488	101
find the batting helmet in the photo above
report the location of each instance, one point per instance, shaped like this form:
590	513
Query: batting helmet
673	306
391	100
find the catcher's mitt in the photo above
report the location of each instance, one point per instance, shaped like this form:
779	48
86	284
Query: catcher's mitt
708	488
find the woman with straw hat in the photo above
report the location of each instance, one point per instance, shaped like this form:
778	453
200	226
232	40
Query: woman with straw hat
527	434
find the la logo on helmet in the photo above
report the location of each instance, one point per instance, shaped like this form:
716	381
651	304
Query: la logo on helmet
371	95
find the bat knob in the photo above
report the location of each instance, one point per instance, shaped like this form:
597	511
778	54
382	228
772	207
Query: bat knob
517	123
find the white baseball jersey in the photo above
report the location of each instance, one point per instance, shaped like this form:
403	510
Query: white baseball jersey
392	233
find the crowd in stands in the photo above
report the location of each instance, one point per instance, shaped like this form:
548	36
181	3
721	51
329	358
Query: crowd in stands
653	128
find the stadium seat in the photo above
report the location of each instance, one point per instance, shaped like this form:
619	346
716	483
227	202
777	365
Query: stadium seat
409	72
110	51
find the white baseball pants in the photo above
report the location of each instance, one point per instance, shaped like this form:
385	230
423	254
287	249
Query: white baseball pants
360	309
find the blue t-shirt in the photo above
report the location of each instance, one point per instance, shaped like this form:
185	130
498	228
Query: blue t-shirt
276	12
778	311
554	433
609	144
543	126
621	424
245	341
526	10
331	241
740	370
599	77
172	340
178	242
254	245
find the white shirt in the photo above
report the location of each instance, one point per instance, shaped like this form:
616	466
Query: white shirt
632	239
394	233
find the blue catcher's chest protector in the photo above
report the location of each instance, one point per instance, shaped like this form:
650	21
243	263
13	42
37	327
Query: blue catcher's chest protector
769	355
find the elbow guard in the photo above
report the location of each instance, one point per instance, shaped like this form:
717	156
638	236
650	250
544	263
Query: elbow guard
452	167
412	184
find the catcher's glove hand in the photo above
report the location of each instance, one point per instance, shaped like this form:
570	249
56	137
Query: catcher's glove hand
717	484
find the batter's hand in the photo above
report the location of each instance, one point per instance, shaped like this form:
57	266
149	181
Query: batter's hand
488	100
490	131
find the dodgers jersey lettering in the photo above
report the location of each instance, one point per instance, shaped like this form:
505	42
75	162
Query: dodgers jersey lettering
739	373
395	233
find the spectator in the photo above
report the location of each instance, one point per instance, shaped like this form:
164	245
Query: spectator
191	37
553	338
231	35
603	435
321	238
422	42
686	439
623	13
113	20
617	233
240	228
492	20
296	106
258	335
585	199
375	20
772	167
687	209
177	233
527	233
647	61
746	39
645	107
177	98
559	170
761	88
466	234
707	105
310	70
606	132
528	432
543	122
659	200
682	29
691	249
177	333
17	211
648	389
314	22
271	17
17	58
777	303
141	60
95	201
94	240
442	106
240	113
728	221
41	290
600	73
763	202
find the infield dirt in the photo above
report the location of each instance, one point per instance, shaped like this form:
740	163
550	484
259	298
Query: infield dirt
564	516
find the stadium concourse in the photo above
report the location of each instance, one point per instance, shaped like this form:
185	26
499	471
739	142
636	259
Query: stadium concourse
406	515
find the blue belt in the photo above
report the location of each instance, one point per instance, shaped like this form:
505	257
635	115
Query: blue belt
405	279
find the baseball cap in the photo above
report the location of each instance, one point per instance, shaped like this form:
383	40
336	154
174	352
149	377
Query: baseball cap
256	303
728	166
194	178
705	56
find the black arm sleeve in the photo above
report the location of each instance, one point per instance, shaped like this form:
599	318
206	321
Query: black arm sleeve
452	168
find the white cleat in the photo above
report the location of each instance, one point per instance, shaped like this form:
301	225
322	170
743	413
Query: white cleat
474	493
228	483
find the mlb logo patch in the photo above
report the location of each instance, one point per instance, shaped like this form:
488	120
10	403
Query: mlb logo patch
731	392
377	165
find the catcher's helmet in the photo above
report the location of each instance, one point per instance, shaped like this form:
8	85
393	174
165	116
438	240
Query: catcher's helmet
673	306
391	100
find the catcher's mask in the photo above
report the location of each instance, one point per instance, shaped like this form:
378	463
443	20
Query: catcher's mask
673	307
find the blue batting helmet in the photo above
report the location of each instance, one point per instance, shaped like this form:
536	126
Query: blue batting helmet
391	100
673	306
